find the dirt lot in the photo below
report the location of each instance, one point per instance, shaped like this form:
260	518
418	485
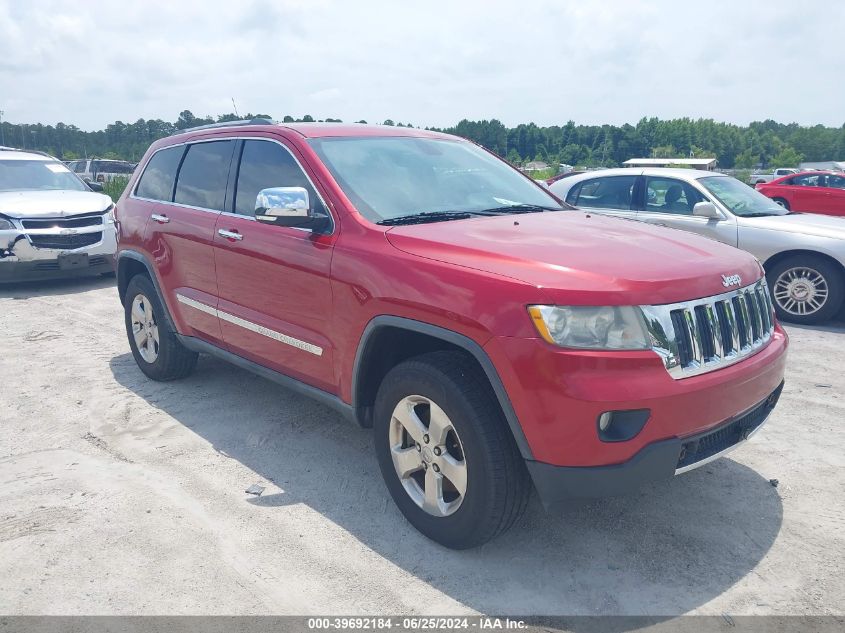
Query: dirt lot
120	495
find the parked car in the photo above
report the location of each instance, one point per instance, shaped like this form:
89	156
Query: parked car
804	255
568	174
101	170
51	223
811	192
421	286
756	179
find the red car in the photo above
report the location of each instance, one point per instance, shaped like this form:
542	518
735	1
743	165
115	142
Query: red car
495	340
810	191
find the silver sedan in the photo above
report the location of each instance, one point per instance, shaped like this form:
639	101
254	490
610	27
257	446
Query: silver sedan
803	254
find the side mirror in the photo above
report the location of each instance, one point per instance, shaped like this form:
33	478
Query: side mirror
288	206
707	210
94	186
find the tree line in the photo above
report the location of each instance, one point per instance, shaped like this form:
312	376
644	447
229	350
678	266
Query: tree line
766	144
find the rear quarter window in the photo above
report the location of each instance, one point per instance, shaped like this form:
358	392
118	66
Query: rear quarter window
157	180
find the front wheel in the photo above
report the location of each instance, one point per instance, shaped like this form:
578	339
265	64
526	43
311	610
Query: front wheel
445	451
781	202
806	289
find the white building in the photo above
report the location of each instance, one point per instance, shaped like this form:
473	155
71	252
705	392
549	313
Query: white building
835	165
696	163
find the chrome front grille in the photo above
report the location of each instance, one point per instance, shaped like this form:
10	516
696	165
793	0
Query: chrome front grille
68	233
707	334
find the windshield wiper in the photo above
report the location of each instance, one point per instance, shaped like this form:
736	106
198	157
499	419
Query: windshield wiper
517	208
425	216
761	214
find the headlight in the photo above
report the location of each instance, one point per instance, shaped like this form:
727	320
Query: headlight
591	328
110	214
5	224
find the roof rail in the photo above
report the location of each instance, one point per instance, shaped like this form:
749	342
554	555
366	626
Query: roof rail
28	151
212	126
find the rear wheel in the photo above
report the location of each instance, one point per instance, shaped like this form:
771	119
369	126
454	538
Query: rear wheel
806	289
155	347
445	451
782	203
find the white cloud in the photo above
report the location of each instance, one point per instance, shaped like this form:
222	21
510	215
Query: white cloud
429	63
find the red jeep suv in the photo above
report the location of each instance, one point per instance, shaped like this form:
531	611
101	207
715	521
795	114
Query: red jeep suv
493	338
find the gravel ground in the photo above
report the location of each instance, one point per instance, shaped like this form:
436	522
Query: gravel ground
119	495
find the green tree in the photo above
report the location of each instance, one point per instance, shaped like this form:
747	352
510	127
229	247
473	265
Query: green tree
664	151
746	159
786	157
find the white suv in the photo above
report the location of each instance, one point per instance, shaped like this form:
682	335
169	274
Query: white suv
100	170
51	223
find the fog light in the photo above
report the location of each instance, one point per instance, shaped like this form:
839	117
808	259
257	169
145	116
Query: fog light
620	426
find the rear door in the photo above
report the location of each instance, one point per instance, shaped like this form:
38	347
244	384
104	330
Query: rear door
180	234
274	285
670	201
612	195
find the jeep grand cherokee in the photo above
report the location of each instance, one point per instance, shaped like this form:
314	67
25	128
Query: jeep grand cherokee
493	338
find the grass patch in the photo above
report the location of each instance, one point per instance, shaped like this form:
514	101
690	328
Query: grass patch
114	188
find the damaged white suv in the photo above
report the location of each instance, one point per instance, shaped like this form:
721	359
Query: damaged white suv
51	223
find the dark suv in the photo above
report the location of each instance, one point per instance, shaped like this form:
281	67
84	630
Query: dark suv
493	338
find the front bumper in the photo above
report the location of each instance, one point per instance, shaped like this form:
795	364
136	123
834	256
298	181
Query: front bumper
22	260
558	396
659	460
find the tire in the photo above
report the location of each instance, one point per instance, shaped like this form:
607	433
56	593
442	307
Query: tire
806	275
160	356
782	203
496	483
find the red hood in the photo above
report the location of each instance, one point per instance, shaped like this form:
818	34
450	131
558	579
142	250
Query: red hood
583	259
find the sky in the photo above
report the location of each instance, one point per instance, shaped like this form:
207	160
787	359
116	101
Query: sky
428	63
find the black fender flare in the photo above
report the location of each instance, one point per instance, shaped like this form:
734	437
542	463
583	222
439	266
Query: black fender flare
142	259
458	340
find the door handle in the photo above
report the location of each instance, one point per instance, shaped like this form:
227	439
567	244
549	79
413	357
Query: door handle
230	235
161	219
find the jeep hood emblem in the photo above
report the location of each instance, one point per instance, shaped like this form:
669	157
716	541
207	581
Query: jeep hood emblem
731	280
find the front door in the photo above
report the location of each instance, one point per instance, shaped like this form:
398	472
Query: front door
669	202
274	288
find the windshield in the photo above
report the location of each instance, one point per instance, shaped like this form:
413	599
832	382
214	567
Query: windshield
387	178
37	175
741	199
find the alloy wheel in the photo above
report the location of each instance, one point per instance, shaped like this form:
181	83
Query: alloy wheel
801	291
428	456
144	328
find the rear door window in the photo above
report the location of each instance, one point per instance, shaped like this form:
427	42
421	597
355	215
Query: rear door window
204	175
157	180
612	192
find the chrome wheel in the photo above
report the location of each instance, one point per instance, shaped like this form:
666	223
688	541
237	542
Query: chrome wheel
428	456
144	328
801	291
